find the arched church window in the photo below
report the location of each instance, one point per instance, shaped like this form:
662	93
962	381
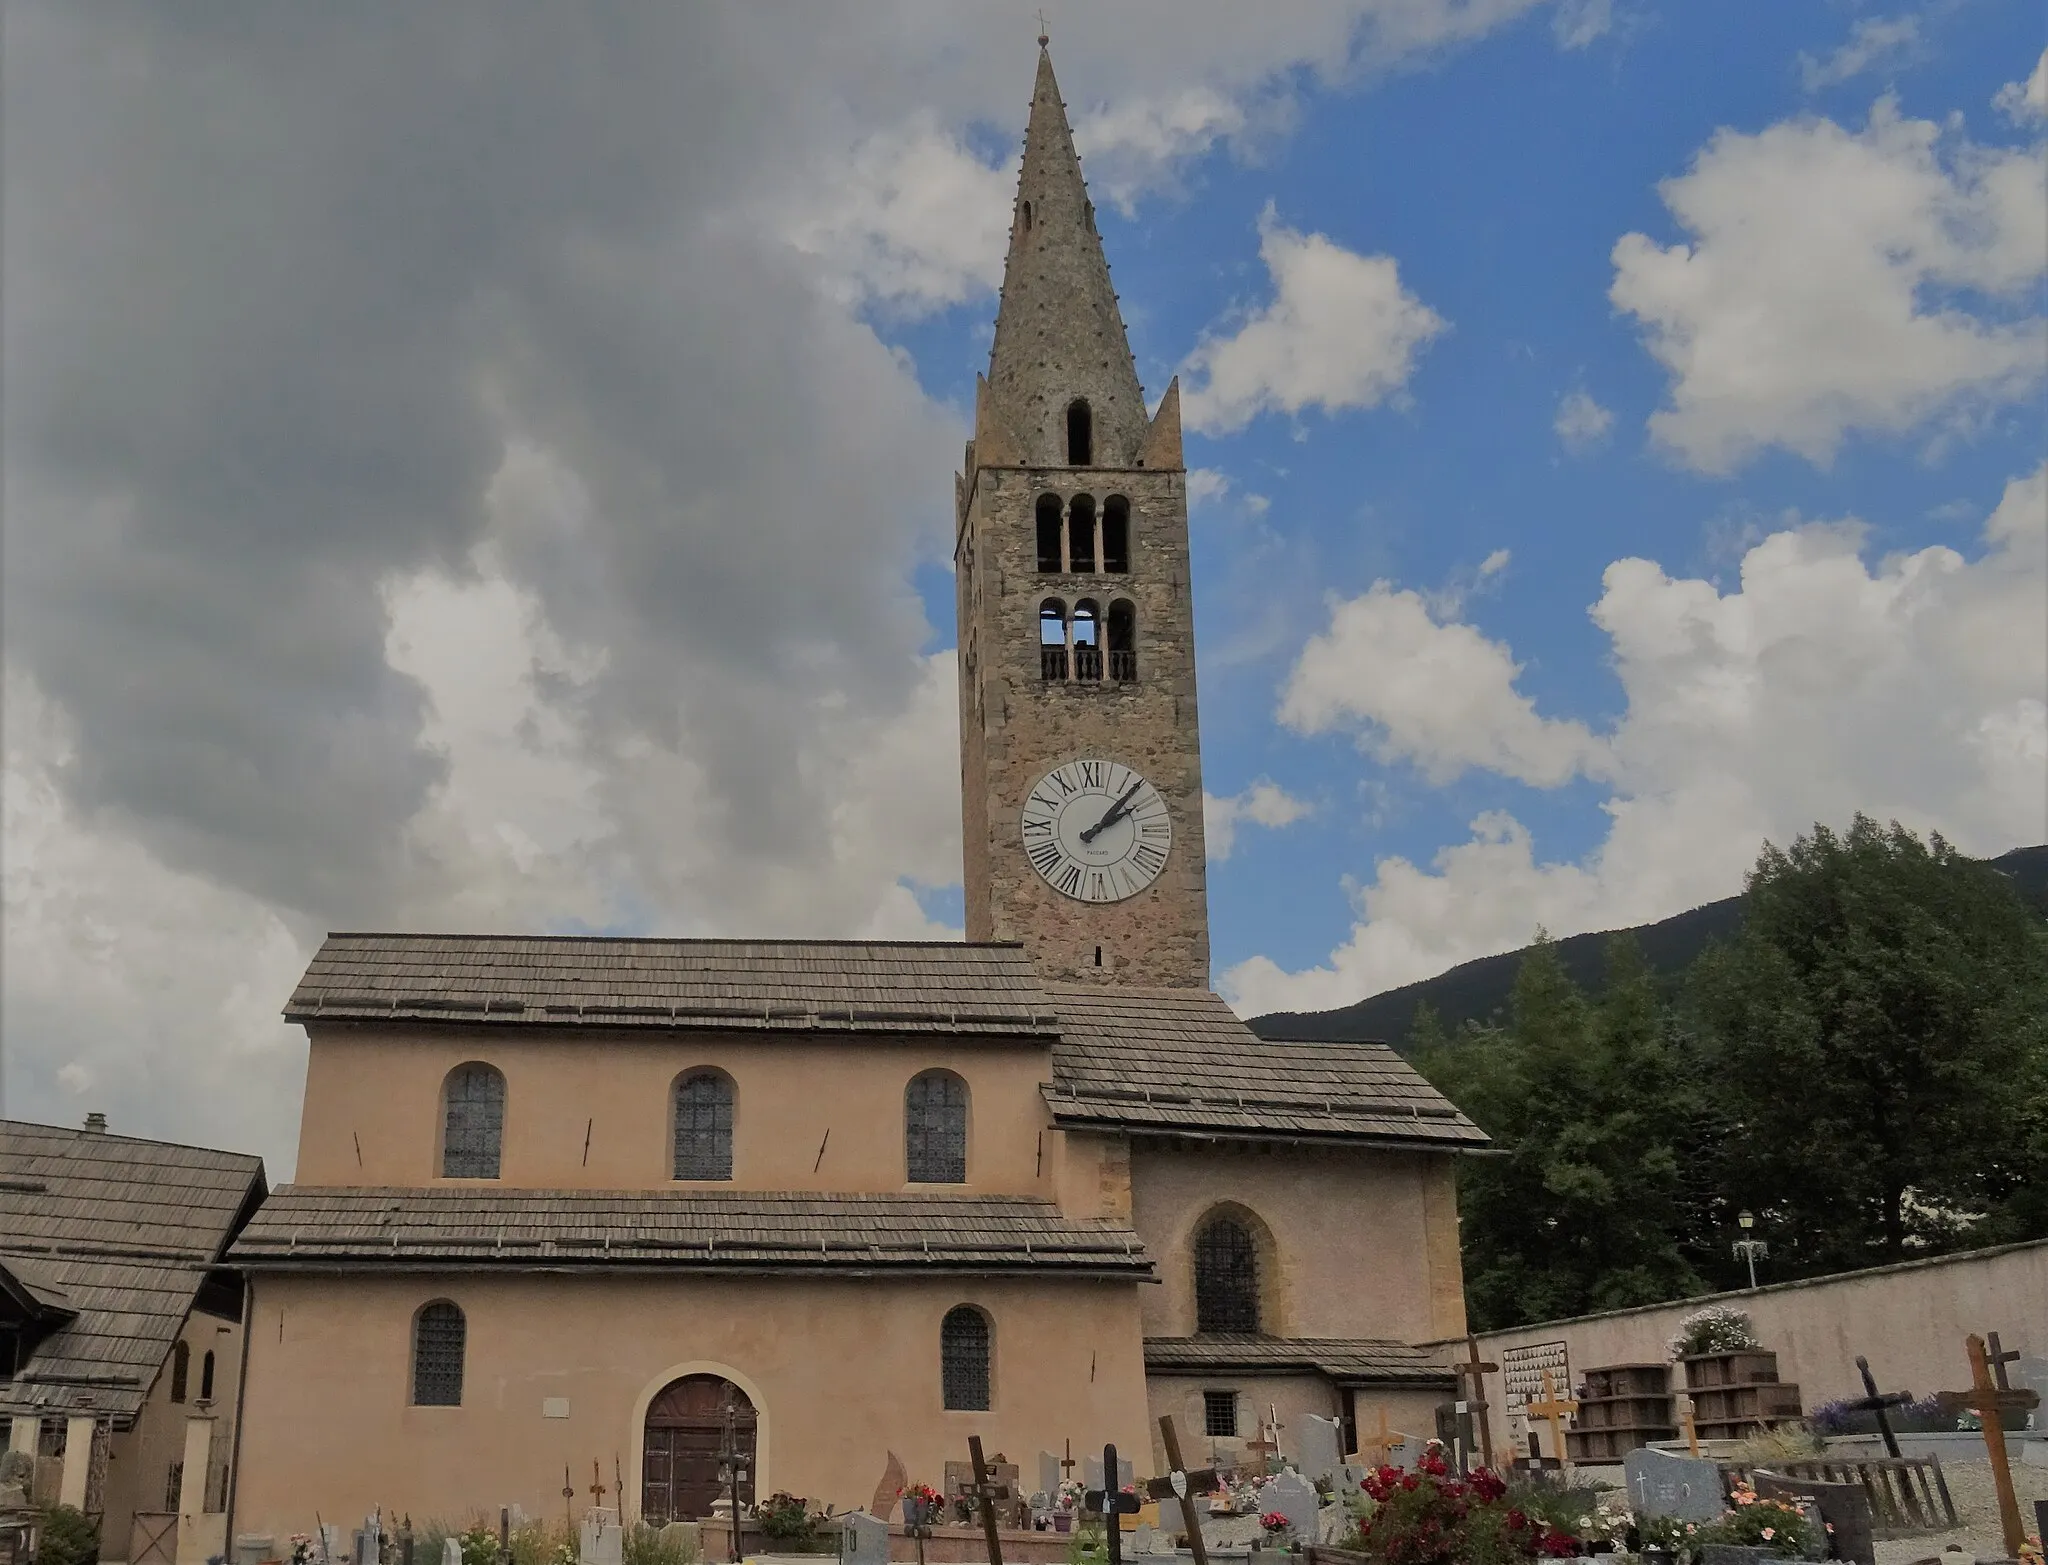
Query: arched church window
1080	434
1226	1277
1052	639
181	1371
935	1129
1081	533
1027	217
1049	534
206	1378
473	1121
704	1110
439	1338
1087	640
1123	640
1116	534
964	1360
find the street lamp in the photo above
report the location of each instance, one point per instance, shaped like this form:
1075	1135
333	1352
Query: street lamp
1746	1247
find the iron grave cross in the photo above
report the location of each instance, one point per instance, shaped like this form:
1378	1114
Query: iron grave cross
1875	1401
1182	1485
1112	1504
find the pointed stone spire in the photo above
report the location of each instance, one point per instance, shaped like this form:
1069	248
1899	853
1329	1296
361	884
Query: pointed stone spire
1059	335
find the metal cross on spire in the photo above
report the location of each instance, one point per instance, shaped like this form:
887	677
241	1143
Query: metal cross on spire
1044	31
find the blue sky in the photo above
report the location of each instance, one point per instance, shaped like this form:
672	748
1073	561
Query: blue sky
472	473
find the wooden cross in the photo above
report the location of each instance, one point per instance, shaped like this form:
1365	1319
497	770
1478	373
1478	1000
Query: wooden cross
1111	1503
1875	1401
1476	1372
1182	1485
597	1487
1067	1462
1382	1443
1268	1444
1998	1356
1552	1409
1990	1402
986	1492
1692	1430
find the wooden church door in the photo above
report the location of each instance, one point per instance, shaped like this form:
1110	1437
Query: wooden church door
685	1429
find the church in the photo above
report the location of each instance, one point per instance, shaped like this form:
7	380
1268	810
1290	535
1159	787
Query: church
585	1205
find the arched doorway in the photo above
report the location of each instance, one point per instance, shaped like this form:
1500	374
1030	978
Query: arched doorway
685	1431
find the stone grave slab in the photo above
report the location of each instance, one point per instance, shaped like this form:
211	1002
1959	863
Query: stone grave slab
1322	1447
1048	1472
1842	1506
867	1539
1091	1472
451	1551
1407	1454
1294	1497
603	1542
1662	1483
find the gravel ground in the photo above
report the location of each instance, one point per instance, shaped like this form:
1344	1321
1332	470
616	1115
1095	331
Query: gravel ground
1969	1485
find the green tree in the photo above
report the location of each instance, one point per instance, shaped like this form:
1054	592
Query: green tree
1872	1053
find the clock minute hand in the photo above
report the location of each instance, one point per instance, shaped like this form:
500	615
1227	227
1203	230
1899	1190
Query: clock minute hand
1117	812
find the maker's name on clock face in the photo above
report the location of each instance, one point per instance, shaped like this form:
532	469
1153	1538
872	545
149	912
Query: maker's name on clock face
1096	830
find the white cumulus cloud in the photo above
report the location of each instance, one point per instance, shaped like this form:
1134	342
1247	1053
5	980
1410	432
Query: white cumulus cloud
2027	99
1339	332
1264	803
1837	280
1908	689
1874	43
1581	423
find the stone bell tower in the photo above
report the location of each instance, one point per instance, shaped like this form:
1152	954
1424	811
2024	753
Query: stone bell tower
1080	756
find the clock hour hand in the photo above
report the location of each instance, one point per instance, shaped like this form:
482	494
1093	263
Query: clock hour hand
1117	812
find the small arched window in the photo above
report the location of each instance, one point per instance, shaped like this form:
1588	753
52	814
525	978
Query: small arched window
473	1122
1123	640
181	1371
1027	217
439	1337
1087	640
935	1129
1116	534
206	1377
704	1105
1049	533
964	1360
1052	639
1226	1277
1081	533
1080	434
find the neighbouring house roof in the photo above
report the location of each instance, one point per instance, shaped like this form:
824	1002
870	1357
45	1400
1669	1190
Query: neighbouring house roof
119	1234
867	986
309	1228
1178	1061
1349	1361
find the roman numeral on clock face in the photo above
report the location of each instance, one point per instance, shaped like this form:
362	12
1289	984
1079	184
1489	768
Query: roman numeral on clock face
1096	830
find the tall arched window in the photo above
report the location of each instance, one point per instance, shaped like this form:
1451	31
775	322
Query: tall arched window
473	1122
1052	639
1080	434
1116	534
1049	533
206	1377
181	1371
1123	640
704	1102
935	1129
1226	1277
439	1336
1087	640
964	1360
1081	533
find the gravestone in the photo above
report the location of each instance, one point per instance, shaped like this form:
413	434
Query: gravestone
1144	1539
1663	1484
1350	1479
1091	1468
365	1550
1294	1497
1732	1554
1048	1472
451	1551
1407	1454
603	1543
1322	1447
1844	1509
867	1539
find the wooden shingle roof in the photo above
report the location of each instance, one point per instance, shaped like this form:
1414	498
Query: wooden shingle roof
1180	1061
123	1232
872	986
1349	1361
310	1228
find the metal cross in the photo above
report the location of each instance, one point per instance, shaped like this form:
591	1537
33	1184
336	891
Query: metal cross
1112	1504
1476	1372
987	1492
597	1487
1182	1485
1875	1401
1044	32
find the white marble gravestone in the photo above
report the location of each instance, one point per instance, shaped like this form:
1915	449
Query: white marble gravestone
867	1540
1294	1497
451	1551
603	1542
1322	1447
1049	1473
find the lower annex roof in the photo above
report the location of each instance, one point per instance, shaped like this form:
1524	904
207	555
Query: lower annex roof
1352	1361
327	1228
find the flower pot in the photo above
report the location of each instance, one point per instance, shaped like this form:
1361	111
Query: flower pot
1062	1521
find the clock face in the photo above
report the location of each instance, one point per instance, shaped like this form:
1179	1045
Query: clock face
1096	831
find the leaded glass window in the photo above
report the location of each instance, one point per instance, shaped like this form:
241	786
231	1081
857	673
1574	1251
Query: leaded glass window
1226	1278
963	1360
935	1129
473	1127
438	1337
704	1127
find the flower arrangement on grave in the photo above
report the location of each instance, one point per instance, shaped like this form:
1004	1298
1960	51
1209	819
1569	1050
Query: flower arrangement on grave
1273	1523
922	1504
1719	1328
302	1548
786	1519
1762	1524
1432	1517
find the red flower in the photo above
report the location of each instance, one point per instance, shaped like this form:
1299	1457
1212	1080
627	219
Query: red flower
1488	1484
1517	1521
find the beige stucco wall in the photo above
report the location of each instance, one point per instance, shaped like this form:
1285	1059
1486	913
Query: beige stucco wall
1909	1321
1355	1242
1286	1397
841	1371
139	1459
380	1089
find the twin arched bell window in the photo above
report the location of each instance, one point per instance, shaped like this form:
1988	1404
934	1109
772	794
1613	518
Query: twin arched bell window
1077	540
1087	644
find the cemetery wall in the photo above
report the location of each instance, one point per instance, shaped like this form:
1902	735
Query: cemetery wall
1909	1320
1355	1242
842	1371
382	1089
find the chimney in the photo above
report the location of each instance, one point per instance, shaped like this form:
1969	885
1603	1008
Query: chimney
96	1122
